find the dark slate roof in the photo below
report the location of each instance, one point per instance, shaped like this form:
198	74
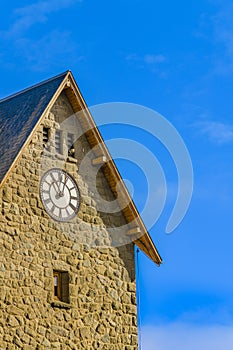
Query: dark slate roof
19	114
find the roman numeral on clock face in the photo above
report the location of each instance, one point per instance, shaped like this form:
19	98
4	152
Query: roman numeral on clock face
59	194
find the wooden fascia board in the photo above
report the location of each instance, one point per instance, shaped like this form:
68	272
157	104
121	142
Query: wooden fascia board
50	104
144	242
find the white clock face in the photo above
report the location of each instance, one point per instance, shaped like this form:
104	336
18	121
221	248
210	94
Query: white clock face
59	194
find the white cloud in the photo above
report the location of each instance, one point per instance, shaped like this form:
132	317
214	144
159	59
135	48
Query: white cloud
217	30
183	336
132	57
32	14
216	131
151	61
40	53
223	26
147	58
220	27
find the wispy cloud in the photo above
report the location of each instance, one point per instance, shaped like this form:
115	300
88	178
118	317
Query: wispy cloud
147	59
187	336
29	15
45	47
217	132
218	29
223	26
40	53
151	61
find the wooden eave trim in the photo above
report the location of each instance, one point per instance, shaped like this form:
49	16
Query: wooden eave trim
50	104
144	242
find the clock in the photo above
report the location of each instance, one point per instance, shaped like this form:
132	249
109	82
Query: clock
59	194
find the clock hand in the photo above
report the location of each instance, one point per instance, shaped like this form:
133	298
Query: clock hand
65	181
55	187
55	183
60	184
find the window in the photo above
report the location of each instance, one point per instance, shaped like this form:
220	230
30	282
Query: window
57	285
45	135
58	139
70	144
61	286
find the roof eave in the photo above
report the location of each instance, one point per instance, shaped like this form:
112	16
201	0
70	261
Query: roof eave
144	242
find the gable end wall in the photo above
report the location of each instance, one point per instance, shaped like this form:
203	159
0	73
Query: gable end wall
102	309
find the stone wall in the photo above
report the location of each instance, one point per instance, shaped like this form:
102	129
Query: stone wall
101	313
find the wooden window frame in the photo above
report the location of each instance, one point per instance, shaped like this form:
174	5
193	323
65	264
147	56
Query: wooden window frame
57	289
61	293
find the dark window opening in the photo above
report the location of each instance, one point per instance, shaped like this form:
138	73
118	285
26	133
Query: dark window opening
56	282
61	286
58	147
70	144
45	135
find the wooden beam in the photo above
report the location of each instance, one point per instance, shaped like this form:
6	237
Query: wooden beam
99	160
134	231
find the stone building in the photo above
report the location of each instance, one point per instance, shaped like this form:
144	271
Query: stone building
67	227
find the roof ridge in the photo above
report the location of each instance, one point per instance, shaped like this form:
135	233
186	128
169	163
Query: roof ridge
33	86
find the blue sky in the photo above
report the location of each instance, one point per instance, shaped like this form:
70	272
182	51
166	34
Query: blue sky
175	57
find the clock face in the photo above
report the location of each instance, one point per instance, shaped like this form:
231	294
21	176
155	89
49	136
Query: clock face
59	194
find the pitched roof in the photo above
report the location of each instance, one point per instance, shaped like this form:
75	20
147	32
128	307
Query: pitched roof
20	114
